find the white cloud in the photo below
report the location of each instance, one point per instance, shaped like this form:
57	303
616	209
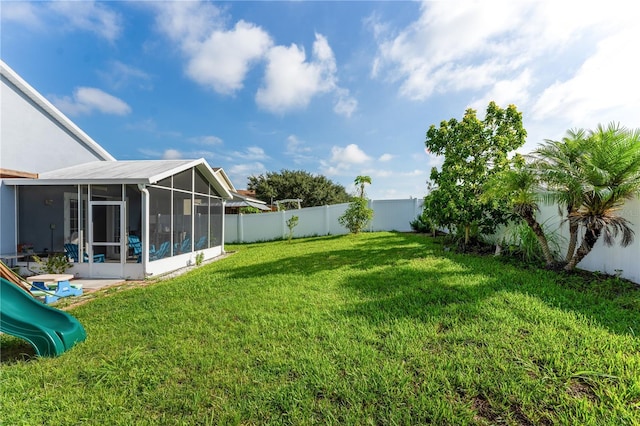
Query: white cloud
345	104
171	154
250	153
291	82
119	75
505	50
385	157
223	60
350	154
207	140
608	80
297	149
216	57
89	16
85	100
239	172
24	13
220	59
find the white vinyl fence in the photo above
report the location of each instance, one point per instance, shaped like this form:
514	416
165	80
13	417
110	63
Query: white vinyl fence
396	215
388	215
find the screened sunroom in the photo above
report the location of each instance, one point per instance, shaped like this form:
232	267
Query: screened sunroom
123	219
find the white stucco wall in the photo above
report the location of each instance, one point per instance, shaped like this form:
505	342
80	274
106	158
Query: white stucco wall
32	140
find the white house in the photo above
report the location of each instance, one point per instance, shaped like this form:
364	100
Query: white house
61	192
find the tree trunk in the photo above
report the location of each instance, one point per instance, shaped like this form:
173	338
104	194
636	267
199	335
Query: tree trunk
573	237
590	238
542	239
467	229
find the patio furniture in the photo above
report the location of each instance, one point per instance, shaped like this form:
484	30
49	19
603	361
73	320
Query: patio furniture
72	252
201	243
183	247
136	245
43	285
161	252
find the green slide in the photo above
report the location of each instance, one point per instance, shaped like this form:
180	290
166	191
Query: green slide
50	331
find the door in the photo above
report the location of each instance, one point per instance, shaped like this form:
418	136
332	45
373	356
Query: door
107	242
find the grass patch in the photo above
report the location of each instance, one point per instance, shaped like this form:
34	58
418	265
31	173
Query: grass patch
381	328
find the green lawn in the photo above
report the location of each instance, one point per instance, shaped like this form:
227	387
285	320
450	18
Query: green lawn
381	328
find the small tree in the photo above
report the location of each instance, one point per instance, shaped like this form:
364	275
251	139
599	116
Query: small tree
473	150
358	215
292	223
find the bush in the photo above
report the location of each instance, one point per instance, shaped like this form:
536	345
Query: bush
421	225
357	216
55	264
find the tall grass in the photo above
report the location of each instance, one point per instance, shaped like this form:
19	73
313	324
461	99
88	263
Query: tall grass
382	328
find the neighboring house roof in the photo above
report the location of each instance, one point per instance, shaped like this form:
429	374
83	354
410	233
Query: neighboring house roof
224	178
240	200
145	172
8	173
12	77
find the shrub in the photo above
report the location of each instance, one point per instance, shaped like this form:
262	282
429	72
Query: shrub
357	216
54	264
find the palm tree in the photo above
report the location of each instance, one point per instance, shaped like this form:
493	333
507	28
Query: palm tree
558	163
361	180
610	176
519	186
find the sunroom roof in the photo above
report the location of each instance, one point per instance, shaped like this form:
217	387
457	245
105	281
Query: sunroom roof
125	172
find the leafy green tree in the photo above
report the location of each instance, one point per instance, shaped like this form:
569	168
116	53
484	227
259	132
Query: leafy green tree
473	150
358	215
314	190
559	164
610	175
519	187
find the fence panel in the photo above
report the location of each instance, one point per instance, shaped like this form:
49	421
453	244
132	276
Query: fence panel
388	215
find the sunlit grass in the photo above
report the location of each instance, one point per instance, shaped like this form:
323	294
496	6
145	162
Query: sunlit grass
381	328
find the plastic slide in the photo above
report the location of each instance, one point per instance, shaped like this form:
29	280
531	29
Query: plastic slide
50	331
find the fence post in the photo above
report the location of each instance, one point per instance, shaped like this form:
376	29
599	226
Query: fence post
326	220
284	225
240	228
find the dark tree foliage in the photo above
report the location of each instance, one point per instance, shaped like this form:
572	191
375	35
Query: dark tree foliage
314	190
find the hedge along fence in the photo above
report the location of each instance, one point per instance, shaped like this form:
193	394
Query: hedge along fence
396	215
388	215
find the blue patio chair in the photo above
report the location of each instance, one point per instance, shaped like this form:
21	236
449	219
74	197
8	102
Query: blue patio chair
72	252
161	252
183	247
201	243
136	245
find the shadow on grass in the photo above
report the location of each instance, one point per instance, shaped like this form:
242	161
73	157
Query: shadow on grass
13	350
416	293
380	270
364	255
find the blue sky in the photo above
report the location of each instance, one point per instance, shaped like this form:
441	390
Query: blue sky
339	89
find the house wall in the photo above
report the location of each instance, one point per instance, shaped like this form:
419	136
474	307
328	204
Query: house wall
33	140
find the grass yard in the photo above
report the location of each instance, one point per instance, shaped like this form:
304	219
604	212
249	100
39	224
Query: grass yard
381	328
